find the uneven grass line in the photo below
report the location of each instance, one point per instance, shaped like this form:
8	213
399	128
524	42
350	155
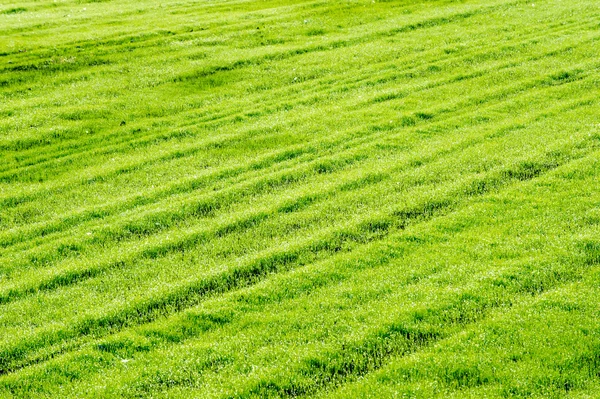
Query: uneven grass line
205	206
368	230
424	24
376	260
354	359
118	135
202	204
74	275
115	41
260	224
242	173
164	33
181	154
463	379
357	358
104	212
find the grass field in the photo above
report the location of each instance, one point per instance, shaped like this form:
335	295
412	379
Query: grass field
271	198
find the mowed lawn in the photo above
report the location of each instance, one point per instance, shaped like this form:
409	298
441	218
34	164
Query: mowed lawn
310	198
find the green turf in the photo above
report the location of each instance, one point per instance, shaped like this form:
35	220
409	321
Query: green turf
244	199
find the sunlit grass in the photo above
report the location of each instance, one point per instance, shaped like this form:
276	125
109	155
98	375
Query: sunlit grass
282	199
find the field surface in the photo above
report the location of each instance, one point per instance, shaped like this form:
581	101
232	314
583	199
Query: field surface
334	199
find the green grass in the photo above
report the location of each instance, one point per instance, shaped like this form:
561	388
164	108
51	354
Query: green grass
243	199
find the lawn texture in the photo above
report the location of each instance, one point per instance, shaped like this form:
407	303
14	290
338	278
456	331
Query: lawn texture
269	199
